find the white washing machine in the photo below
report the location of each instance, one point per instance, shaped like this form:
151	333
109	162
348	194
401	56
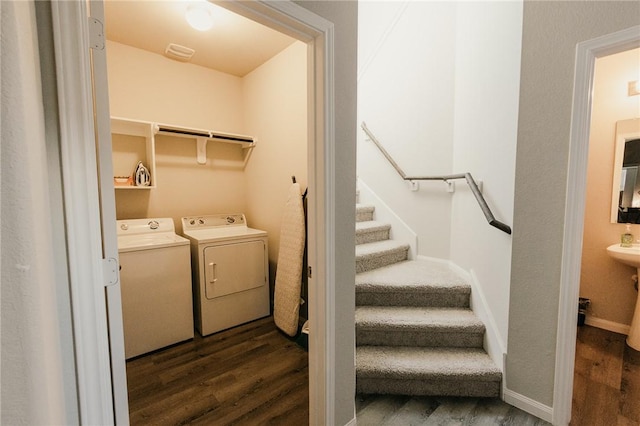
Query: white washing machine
155	281
230	264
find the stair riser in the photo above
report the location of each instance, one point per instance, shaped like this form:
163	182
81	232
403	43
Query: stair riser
364	216
419	338
428	300
427	387
372	236
373	262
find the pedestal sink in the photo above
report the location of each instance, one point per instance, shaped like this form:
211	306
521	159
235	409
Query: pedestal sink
630	256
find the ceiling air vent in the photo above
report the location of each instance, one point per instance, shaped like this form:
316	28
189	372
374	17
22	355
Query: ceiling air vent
177	52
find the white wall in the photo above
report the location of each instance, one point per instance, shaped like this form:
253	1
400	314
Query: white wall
36	347
448	104
606	282
406	61
486	115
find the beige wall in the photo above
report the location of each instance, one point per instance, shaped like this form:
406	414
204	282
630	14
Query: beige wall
150	87
550	33
269	104
275	108
606	282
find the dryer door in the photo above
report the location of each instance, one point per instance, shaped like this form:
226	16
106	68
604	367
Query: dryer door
234	267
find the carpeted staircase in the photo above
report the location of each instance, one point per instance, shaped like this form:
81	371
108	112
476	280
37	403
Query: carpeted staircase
415	333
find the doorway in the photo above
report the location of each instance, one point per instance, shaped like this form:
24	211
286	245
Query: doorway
587	52
614	115
242	77
96	378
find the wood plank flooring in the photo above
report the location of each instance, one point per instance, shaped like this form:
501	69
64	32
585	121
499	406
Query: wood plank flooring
606	387
252	374
394	410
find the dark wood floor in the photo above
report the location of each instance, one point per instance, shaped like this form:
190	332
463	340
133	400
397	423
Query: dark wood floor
254	374
250	375
606	386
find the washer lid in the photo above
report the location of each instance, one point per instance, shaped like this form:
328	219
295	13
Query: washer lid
148	242
146	234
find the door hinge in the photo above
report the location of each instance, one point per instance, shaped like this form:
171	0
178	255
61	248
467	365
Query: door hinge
309	272
110	271
96	34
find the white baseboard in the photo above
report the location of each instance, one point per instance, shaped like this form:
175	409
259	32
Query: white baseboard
607	325
527	404
352	422
493	343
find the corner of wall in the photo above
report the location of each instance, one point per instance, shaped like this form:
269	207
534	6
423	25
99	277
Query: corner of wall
399	228
527	404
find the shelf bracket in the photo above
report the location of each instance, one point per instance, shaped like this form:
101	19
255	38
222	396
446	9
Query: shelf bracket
201	150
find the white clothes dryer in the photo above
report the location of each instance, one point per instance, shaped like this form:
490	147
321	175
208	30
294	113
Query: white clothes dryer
155	278
230	264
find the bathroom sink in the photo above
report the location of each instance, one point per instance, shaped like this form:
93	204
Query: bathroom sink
630	256
627	255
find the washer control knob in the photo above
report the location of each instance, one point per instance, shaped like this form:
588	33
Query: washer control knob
192	221
154	224
124	226
230	219
200	221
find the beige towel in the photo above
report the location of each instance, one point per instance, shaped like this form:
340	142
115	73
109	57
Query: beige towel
286	303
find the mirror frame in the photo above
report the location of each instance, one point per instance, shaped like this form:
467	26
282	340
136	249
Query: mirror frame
626	130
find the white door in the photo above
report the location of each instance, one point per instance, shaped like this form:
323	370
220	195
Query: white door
108	207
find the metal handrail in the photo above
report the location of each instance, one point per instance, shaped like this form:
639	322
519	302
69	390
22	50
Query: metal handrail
446	178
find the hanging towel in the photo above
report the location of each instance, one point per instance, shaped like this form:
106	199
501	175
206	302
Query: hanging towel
286	303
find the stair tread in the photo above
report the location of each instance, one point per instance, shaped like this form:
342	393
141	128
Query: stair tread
403	362
379	248
409	318
371	225
363	206
411	276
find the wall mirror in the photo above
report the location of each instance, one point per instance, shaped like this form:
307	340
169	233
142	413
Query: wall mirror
625	194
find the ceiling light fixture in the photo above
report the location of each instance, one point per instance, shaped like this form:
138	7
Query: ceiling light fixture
199	16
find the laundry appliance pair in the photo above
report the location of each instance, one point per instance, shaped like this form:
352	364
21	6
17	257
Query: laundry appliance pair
216	277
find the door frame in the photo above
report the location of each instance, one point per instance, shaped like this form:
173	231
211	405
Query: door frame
96	390
586	54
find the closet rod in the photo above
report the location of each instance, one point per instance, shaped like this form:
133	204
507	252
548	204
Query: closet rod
184	132
209	135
